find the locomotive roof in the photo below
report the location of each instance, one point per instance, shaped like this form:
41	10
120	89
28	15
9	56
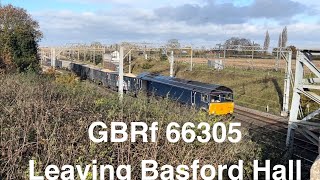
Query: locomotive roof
92	66
191	85
130	75
106	70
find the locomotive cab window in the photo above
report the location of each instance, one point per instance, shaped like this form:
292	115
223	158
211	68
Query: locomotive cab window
215	98
222	98
204	98
227	97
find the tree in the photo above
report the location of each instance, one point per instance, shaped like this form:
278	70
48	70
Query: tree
173	44
294	51
19	37
235	41
280	40
284	37
96	44
266	42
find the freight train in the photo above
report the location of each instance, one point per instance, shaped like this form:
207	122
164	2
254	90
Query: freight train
214	99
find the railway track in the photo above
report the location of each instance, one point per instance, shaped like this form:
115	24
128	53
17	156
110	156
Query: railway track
273	132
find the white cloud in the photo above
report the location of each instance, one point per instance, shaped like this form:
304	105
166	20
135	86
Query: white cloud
143	24
140	3
310	3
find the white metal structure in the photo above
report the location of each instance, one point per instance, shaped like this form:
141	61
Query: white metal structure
120	81
287	56
171	64
307	87
53	57
191	59
130	64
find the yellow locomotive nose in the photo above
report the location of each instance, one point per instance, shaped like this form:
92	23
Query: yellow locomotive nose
221	108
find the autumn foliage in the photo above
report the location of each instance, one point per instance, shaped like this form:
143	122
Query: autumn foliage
19	37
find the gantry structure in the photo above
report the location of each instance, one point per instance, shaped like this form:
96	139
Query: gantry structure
77	52
82	52
306	87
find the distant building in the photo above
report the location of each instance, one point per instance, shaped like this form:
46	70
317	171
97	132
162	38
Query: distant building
111	61
115	56
216	64
107	57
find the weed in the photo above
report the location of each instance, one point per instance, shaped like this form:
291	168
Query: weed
47	120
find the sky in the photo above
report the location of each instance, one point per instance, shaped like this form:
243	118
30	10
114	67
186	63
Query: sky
192	22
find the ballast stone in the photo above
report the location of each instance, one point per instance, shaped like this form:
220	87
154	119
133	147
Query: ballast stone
315	170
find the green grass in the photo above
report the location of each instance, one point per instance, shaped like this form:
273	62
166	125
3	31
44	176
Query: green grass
255	88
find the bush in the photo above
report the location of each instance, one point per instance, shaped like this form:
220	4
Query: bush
147	65
19	37
163	57
47	120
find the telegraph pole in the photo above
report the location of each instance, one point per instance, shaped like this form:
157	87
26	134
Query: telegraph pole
130	62
171	64
120	82
191	56
53	57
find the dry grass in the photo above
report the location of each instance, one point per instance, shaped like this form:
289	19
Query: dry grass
45	119
246	63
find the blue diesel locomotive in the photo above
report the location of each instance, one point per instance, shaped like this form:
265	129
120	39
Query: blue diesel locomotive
215	99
